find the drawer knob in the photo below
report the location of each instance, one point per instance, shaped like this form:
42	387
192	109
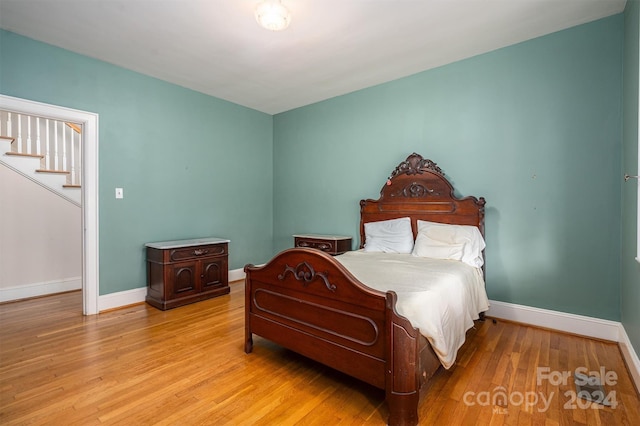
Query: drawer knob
200	252
303	244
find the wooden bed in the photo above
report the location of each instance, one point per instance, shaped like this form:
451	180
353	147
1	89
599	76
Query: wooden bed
306	301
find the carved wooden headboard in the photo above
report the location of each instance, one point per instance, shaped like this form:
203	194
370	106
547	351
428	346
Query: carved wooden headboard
418	189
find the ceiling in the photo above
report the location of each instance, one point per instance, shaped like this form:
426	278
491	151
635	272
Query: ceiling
332	47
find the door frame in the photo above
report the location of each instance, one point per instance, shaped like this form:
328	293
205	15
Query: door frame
89	204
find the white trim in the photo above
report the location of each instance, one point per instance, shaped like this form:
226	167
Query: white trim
122	298
568	323
90	249
630	356
571	323
236	274
138	295
40	289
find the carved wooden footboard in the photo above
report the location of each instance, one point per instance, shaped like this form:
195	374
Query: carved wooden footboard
306	301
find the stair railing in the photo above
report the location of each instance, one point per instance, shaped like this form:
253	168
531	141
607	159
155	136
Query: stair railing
57	143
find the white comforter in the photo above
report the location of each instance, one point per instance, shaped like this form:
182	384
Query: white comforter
439	297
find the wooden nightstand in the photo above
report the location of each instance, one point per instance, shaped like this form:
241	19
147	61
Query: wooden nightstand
332	244
186	271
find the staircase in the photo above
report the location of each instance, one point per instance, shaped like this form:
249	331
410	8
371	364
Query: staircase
45	150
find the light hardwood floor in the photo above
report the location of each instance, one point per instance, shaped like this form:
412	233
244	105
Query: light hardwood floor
140	366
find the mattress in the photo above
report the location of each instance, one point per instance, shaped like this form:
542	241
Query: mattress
441	298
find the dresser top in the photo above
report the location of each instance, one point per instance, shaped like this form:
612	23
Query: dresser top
162	245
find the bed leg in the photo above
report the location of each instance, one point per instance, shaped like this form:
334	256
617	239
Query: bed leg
248	344
481	316
403	409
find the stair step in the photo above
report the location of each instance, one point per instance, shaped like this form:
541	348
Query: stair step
21	154
62	172
27	159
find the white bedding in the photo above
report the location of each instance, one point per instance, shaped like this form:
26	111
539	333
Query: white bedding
439	297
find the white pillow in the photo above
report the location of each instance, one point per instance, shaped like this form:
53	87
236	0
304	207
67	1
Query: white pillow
389	236
425	247
444	241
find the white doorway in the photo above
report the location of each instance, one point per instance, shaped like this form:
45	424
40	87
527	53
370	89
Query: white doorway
89	121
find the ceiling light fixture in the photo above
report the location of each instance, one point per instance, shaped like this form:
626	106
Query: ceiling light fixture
272	15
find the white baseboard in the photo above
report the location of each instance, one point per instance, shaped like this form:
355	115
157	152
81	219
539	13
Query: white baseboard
236	275
630	356
40	289
137	295
121	298
571	323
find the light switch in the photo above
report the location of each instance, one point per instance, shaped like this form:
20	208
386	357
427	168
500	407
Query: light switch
119	193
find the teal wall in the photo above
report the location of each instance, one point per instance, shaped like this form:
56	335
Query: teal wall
630	294
535	128
191	165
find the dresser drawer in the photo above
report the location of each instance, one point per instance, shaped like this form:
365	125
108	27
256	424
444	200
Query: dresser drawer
331	244
198	251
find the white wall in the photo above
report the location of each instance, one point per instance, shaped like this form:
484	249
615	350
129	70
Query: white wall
40	239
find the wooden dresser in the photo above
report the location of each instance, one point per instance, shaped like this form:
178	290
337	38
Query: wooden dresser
332	244
186	271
